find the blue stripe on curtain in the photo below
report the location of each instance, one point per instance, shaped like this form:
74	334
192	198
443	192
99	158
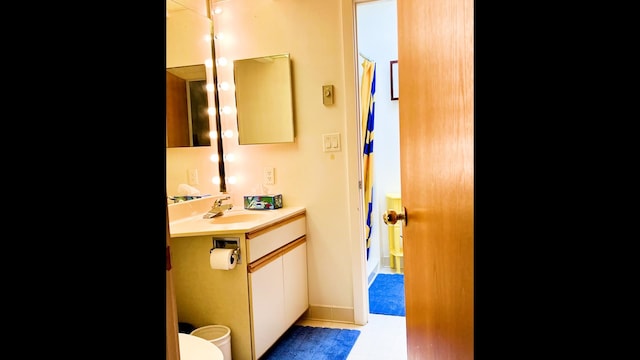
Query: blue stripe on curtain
368	90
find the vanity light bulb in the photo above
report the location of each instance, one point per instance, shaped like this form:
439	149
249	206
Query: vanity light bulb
212	135
223	86
228	133
221	61
216	180
207	38
232	180
217	10
219	36
210	87
229	157
214	158
211	111
208	63
226	109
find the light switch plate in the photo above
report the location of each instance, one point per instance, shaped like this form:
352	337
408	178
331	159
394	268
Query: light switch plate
331	142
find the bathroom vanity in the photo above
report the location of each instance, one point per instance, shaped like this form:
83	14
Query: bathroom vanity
263	295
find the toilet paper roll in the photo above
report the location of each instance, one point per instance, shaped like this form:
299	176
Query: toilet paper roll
222	259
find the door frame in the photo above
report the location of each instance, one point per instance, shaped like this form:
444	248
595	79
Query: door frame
354	165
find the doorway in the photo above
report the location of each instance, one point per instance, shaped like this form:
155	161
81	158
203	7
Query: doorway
376	28
376	42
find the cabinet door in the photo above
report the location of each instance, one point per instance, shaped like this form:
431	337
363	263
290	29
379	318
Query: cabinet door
296	295
267	297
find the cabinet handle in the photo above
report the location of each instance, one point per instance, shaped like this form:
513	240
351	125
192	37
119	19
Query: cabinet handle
257	264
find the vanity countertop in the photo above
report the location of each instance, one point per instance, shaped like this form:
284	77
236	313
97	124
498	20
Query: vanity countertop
233	221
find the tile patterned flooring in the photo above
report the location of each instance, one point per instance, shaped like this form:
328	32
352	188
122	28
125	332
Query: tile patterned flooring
383	337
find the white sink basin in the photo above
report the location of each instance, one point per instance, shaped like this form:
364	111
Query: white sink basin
230	217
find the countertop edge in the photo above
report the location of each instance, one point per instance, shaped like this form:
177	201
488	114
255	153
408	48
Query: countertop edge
295	210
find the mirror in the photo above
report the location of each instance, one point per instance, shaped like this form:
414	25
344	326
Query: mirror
264	99
188	48
191	119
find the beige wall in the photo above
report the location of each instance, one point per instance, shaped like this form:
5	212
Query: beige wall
325	183
186	38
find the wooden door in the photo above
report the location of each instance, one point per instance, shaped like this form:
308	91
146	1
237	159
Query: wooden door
173	349
436	108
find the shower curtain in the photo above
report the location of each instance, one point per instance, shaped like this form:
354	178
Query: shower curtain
367	109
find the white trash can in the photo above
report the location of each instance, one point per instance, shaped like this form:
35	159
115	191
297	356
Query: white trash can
219	335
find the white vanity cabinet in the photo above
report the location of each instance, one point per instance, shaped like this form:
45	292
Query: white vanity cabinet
278	291
267	299
278	288
262	296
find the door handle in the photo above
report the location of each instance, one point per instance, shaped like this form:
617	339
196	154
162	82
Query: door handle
391	217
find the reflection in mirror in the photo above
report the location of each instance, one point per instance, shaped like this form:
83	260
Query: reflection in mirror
264	99
187	107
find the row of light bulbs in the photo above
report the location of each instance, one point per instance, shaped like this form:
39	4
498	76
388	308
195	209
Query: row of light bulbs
225	110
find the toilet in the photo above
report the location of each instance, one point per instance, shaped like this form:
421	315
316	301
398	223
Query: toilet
195	348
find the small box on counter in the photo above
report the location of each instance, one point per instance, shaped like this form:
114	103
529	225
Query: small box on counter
263	202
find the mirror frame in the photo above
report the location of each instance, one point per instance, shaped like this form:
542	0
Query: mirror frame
216	101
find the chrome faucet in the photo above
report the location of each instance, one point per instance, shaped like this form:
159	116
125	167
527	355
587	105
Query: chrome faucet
218	208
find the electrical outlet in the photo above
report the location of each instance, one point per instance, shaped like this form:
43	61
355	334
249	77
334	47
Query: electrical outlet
193	177
269	176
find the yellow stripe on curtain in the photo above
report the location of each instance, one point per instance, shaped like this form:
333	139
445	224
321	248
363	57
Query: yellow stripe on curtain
367	109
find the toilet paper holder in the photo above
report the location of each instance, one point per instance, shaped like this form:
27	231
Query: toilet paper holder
228	243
